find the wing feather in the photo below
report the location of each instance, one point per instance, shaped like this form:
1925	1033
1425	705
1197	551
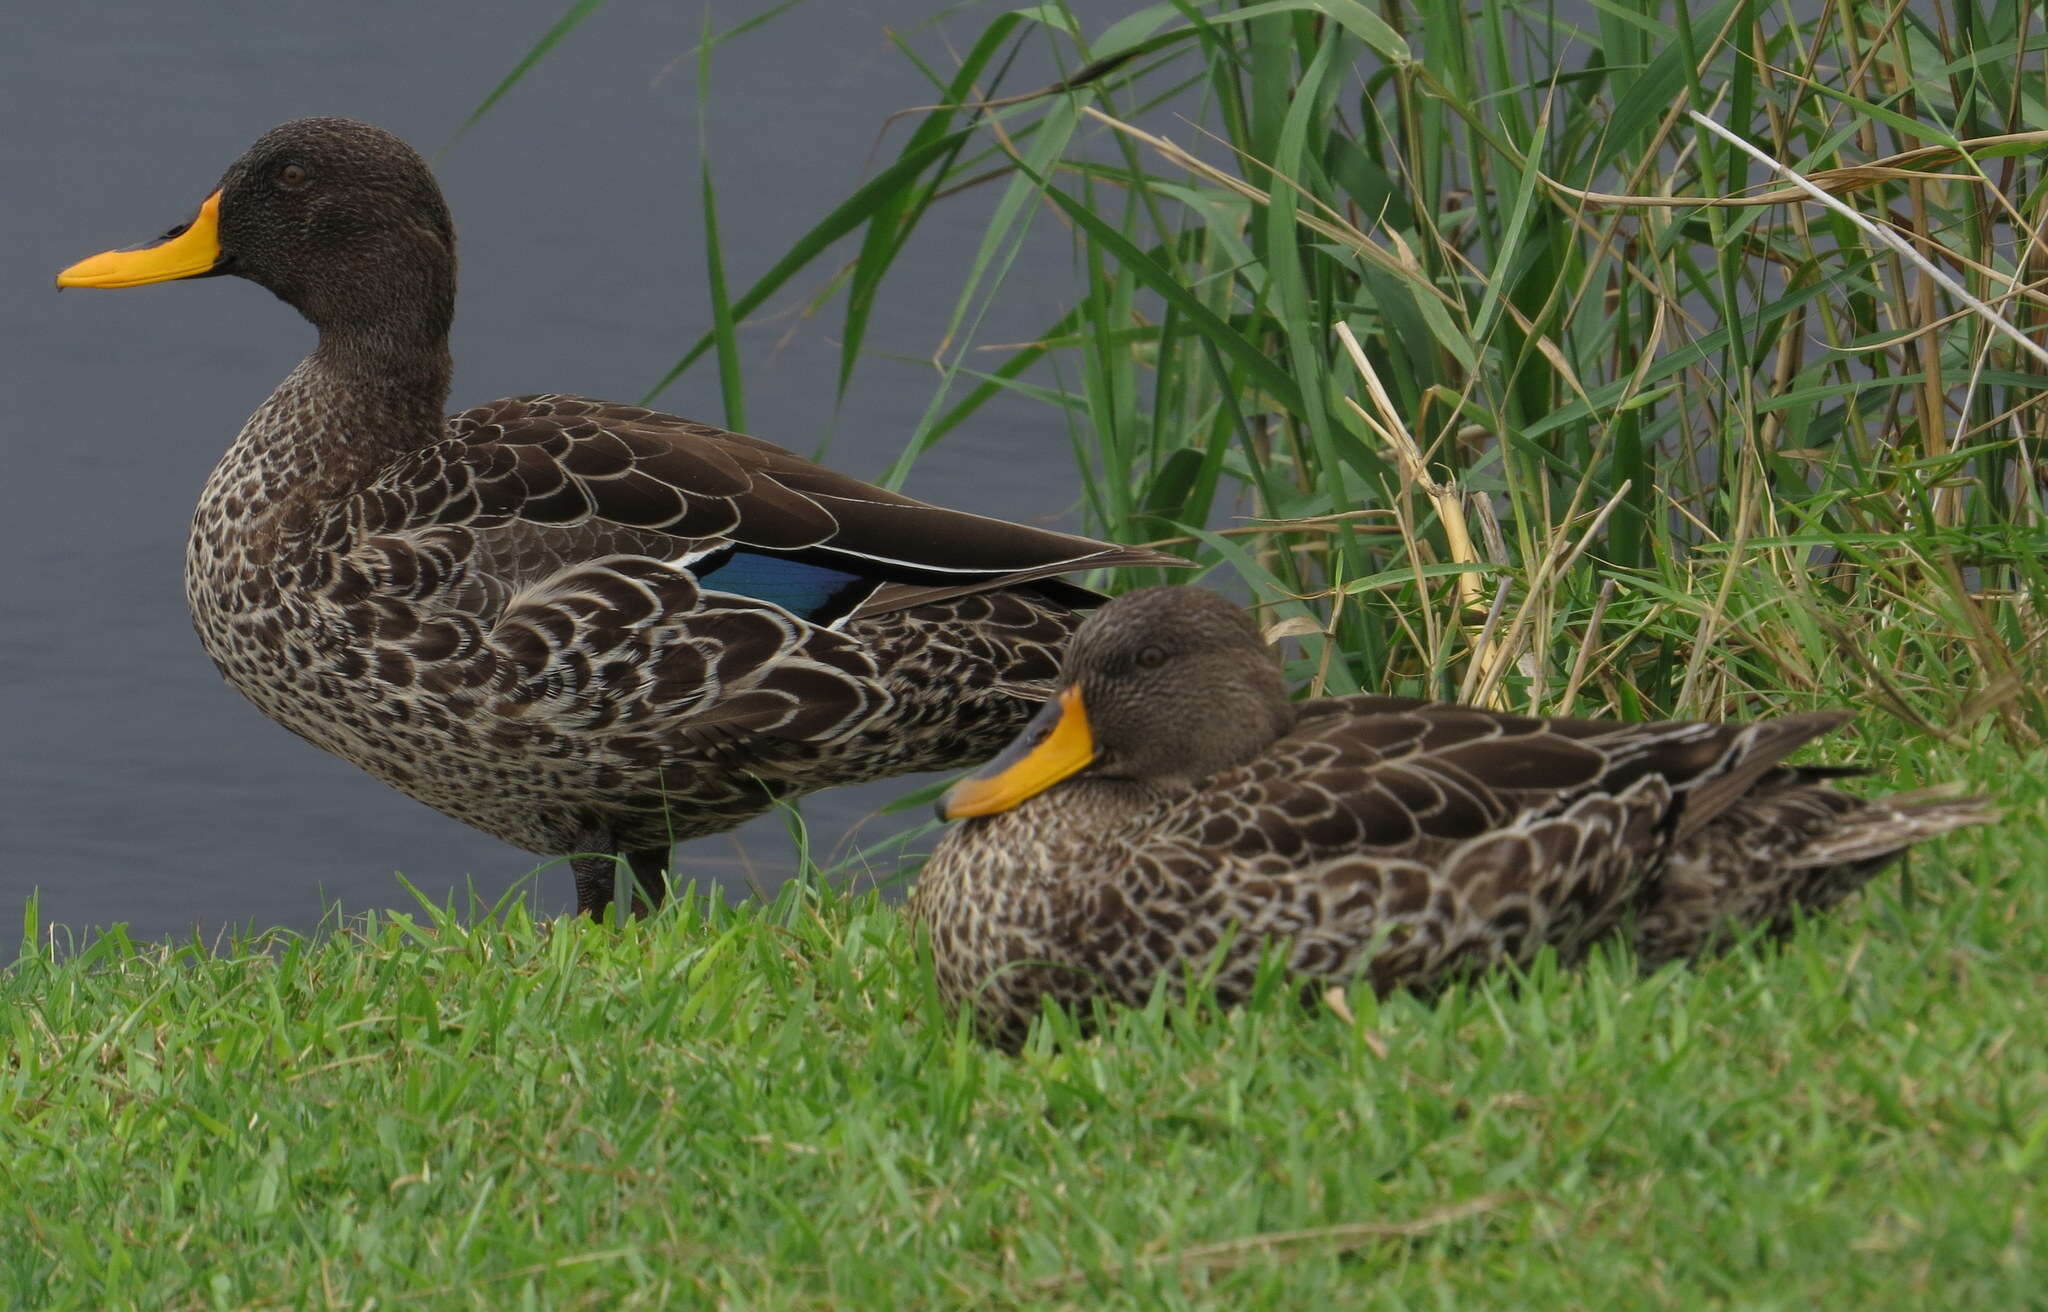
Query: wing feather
532	570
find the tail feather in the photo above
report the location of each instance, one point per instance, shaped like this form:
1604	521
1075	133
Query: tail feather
1886	826
1754	755
1792	846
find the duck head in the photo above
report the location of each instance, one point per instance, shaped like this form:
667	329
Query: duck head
340	219
1161	687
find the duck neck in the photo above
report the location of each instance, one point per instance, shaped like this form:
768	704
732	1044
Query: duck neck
360	401
382	367
1102	801
385	388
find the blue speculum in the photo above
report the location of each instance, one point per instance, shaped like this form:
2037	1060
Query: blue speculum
818	593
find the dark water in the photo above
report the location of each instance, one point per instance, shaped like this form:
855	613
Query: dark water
134	785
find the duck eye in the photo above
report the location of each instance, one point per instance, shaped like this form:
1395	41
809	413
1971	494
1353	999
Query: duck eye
292	175
1152	657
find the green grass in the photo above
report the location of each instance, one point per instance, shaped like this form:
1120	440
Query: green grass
1627	457
763	1105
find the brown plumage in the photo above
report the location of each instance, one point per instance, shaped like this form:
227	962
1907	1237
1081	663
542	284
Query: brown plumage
1196	809
586	628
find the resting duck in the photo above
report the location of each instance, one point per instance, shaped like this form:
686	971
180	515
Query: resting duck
589	629
1172	803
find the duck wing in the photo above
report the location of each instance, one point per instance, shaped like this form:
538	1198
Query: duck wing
582	565
766	521
1415	839
1403	775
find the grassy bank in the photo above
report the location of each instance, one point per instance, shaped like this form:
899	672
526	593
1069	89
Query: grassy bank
761	1106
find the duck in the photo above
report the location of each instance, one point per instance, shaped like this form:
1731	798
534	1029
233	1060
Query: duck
587	628
1172	813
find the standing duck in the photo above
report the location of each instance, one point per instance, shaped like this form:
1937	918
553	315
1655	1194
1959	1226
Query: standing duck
1171	803
588	629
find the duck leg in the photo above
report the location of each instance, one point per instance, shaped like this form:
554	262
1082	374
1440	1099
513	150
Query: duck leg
597	874
651	874
602	876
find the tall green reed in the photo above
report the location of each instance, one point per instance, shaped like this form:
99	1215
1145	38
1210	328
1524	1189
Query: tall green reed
1490	372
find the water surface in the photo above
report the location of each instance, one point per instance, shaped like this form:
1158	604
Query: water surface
134	785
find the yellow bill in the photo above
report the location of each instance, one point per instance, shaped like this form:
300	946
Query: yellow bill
185	252
1054	745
